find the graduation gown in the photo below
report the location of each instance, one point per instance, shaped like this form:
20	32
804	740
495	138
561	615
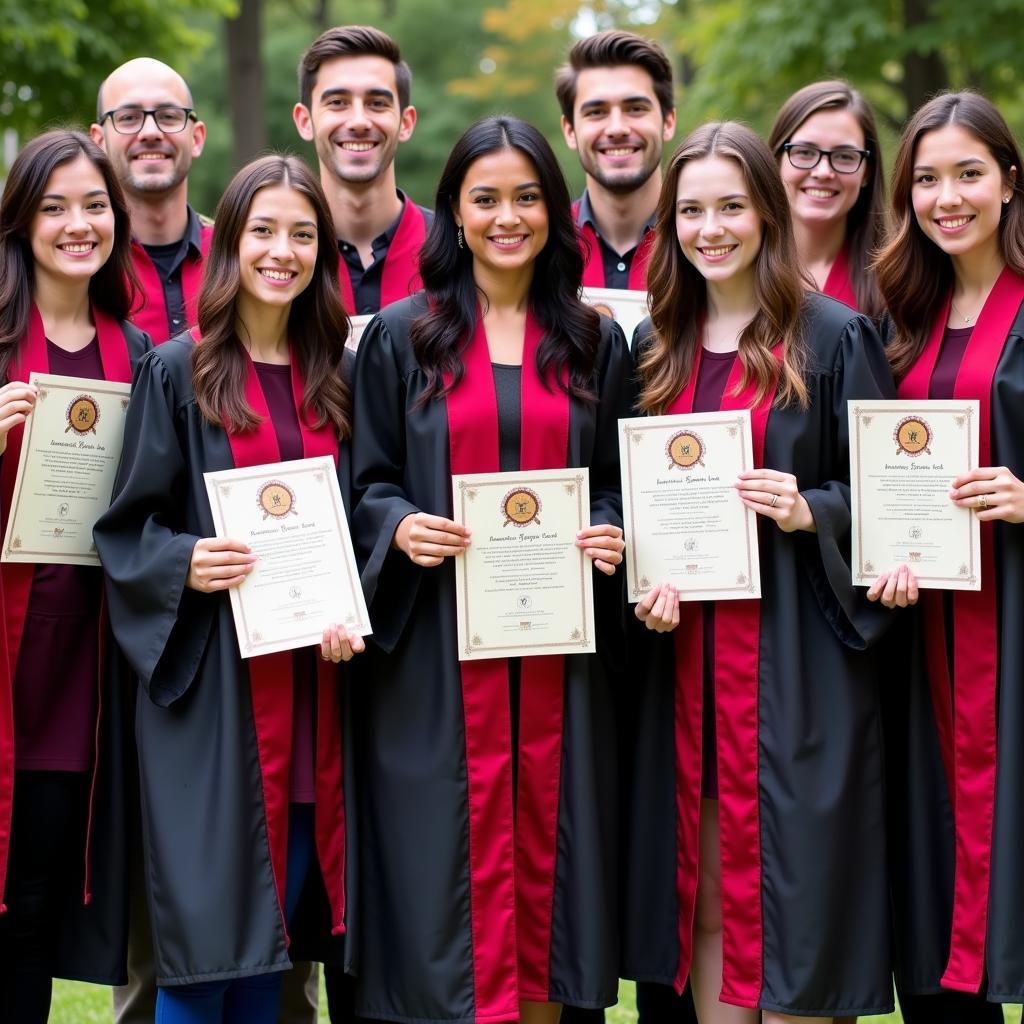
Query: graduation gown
92	926
211	758
799	745
425	955
955	759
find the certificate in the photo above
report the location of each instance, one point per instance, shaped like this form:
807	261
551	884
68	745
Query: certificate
523	586
358	326
685	522
903	458
305	576
69	455
627	308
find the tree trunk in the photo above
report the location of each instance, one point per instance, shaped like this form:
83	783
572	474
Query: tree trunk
322	15
244	36
924	74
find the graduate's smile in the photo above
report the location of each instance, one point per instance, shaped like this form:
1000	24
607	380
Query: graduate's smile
953	225
717	253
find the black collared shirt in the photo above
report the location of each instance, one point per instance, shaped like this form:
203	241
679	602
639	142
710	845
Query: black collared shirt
616	265
366	281
168	260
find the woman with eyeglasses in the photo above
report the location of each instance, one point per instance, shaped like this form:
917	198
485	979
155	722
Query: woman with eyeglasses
240	761
65	293
952	275
826	142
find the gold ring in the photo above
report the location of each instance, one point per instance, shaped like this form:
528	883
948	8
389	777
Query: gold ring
775	500
982	501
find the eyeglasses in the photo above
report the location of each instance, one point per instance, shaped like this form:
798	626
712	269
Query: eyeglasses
129	120
843	161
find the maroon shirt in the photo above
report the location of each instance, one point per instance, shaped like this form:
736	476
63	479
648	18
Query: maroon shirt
712	377
947	366
276	382
56	681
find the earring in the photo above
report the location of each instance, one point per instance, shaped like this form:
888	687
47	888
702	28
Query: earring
1006	199
460	238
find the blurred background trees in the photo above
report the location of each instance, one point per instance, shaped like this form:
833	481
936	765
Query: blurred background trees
733	58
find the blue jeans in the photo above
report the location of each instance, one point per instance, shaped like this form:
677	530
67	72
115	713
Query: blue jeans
253	1000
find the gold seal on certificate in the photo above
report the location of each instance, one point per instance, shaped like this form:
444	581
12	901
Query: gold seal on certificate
305	578
685	522
627	308
69	456
523	587
903	458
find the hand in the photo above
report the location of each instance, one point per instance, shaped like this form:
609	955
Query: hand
776	496
603	544
895	589
429	540
659	608
992	492
219	563
17	400
340	645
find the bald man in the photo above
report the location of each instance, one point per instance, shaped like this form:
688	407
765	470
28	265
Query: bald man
146	123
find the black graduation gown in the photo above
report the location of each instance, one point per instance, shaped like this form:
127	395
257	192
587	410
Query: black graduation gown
416	954
211	888
921	819
824	946
92	936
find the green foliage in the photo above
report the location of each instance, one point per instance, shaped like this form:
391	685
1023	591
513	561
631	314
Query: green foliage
56	52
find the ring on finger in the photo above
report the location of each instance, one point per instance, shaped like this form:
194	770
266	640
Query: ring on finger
982	501
775	500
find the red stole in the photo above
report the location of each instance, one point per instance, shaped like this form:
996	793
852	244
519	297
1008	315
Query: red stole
401	275
512	863
271	685
737	645
593	265
151	315
838	283
966	714
17	577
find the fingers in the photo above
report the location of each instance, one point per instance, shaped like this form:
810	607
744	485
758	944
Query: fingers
428	540
765	475
603	544
223	544
895	589
661	609
339	645
876	588
981	474
219	563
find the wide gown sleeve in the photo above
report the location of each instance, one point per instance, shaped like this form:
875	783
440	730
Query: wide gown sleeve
161	626
390	579
861	371
615	400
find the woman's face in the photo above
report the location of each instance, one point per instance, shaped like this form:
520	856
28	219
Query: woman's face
820	195
717	226
72	232
502	212
278	247
958	191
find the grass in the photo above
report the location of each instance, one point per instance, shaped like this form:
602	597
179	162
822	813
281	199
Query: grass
89	1004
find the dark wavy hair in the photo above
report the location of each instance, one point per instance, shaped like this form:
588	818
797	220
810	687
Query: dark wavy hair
572	330
317	322
679	294
865	222
352	41
914	274
113	287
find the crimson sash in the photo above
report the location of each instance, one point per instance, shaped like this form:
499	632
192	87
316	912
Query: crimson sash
966	714
512	865
151	315
736	672
271	684
838	284
593	265
401	275
16	577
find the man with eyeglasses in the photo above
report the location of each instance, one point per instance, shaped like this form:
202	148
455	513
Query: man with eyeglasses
146	123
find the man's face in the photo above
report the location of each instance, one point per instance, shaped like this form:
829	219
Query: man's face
617	126
354	119
149	161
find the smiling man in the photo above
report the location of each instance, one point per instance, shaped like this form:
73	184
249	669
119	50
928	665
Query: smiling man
618	111
354	107
146	123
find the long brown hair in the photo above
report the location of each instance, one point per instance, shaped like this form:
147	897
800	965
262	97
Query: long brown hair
317	322
865	223
679	297
112	288
914	274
